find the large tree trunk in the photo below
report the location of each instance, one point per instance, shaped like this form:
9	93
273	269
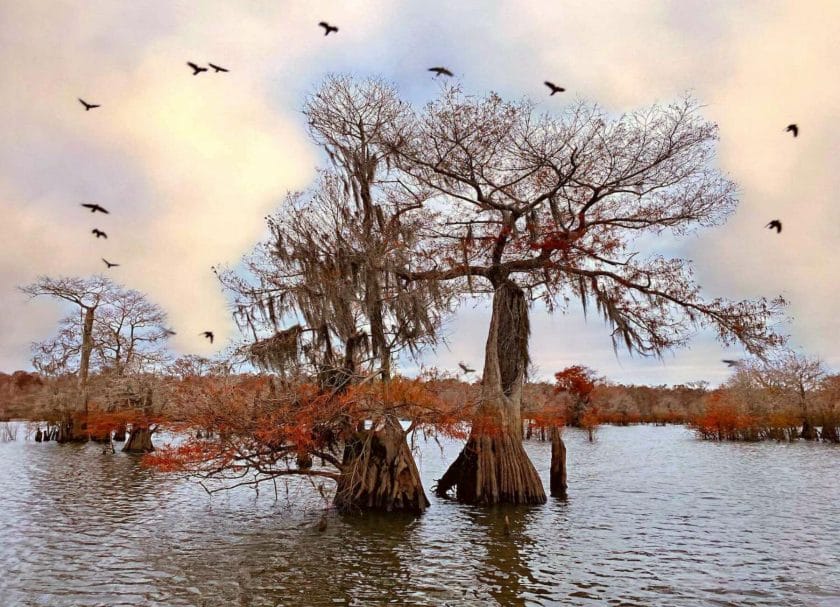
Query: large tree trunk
379	473
139	440
493	467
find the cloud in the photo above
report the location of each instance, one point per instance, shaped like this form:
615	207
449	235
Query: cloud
190	165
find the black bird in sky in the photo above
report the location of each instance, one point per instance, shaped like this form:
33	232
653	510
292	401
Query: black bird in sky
441	71
218	68
169	332
208	335
95	207
99	233
88	106
775	225
196	70
792	128
554	88
328	28
109	264
465	368
731	363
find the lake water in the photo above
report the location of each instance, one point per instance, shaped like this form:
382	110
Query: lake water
654	518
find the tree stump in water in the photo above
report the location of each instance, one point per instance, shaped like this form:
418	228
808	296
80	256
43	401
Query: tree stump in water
120	433
829	433
72	429
558	465
139	441
379	473
39	436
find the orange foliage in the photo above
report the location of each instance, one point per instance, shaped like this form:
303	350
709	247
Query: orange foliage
260	425
722	418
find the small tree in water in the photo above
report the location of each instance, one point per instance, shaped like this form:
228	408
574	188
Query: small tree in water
522	207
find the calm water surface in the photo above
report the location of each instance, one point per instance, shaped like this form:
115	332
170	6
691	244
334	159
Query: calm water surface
654	518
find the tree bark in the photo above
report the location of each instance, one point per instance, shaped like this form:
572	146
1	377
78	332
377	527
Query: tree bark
493	467
558	464
139	440
379	473
120	433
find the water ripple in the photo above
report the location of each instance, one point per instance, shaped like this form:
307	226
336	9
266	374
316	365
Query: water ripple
654	518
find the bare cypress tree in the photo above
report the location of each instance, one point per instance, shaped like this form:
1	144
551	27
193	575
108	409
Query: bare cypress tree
530	206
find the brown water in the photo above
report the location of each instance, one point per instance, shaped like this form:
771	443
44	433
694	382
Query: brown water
655	517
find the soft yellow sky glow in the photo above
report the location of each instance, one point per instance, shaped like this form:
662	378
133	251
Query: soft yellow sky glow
189	166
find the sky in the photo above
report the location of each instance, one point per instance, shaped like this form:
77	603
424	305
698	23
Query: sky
189	166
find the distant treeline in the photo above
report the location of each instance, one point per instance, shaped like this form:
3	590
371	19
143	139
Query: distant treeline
790	398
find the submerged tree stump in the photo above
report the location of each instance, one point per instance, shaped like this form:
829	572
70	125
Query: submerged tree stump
558	482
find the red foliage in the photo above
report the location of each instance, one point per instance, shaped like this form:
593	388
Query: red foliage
577	380
722	418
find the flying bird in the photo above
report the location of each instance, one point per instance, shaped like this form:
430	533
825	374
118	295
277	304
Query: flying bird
109	264
95	207
441	71
465	368
328	28
208	335
98	233
168	332
775	225
88	106
217	68
731	363
196	70
554	88
792	128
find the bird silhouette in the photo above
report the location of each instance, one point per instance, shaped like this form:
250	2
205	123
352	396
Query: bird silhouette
554	88
109	264
196	70
209	335
441	71
465	368
731	363
95	207
169	332
328	28
775	225
98	233
792	128
217	68
88	106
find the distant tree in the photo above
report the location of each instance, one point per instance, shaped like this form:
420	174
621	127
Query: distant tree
86	294
119	332
578	382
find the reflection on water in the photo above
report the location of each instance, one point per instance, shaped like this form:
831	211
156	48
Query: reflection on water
654	517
